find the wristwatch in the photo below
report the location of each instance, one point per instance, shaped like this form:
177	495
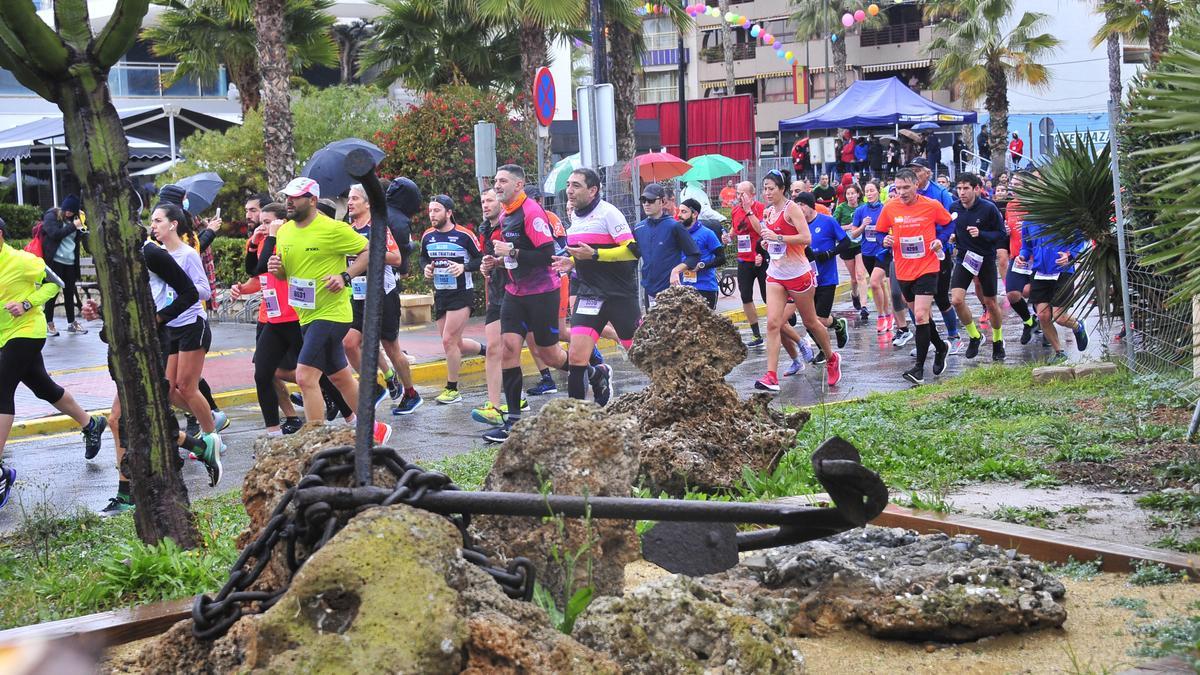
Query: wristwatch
700	265
26	305
595	255
346	278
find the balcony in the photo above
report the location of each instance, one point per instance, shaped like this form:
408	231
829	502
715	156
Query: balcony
139	80
741	52
891	35
658	94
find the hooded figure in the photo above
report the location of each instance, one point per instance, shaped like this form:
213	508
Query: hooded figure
403	203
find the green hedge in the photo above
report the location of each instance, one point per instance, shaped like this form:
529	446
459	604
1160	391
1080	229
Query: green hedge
20	218
229	255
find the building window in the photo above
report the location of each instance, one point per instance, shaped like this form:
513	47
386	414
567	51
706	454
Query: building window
782	29
659	33
903	25
659	87
777	89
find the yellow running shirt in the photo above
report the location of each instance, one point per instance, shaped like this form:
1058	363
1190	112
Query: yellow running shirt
310	254
22	276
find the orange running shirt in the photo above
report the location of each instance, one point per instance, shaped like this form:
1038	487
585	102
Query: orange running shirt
912	229
1013	217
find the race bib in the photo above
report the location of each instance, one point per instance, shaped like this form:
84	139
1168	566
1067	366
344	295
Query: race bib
912	248
689	277
262	280
1046	276
744	243
271	301
1022	269
972	261
510	262
302	293
591	306
444	281
358	288
776	249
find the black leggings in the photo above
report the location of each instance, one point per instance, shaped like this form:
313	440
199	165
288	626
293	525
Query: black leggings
747	274
21	362
69	275
941	298
277	342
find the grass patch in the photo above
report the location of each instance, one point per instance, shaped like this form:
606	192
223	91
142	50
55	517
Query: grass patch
469	469
1179	636
1174	542
1076	570
1146	573
1136	605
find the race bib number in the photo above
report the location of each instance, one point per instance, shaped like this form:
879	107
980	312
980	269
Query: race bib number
912	248
444	281
271	301
358	288
1046	276
302	293
776	249
972	261
744	243
1022	269
689	277
590	306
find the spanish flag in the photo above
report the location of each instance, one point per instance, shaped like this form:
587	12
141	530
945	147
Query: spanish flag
800	91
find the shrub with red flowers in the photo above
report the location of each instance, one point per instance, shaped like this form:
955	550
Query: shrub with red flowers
433	144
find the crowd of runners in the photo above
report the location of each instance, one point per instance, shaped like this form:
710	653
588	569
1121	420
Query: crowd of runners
553	287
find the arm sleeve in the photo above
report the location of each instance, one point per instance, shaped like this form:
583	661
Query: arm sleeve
718	254
251	261
424	258
1026	251
205	237
691	254
50	285
626	250
161	263
997	234
264	255
537	257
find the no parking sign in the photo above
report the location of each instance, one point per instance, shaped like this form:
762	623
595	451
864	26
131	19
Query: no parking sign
544	99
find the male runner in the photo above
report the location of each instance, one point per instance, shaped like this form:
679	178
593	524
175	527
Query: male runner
712	253
978	230
449	253
662	242
927	188
829	240
824	192
752	264
493	361
1018	279
1052	262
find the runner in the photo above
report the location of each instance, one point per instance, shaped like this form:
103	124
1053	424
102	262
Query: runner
712	253
910	222
853	256
824	192
661	243
829	240
1052	262
310	253
752	264
790	275
566	299
532	292
449	253
865	217
404	202
495	276
26	283
979	229
927	188
1019	277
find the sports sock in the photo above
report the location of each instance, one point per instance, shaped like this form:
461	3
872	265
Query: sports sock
87	428
511	379
997	334
545	373
389	374
1022	309
123	488
972	331
934	338
332	394
922	343
192	445
755	330
950	318
410	392
207	392
577	381
452	385
482	349
597	358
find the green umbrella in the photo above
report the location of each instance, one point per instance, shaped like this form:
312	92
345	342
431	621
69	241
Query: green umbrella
556	180
709	167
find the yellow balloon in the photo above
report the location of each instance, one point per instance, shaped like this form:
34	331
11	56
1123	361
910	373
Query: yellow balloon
788	55
873	10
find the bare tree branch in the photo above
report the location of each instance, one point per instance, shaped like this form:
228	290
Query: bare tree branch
120	31
44	48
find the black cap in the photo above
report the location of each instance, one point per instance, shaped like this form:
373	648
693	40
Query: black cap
919	161
448	203
808	199
654	191
692	204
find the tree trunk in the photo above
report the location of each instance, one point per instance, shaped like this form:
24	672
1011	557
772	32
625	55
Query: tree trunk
99	158
533	56
625	90
839	67
276	92
727	48
249	83
997	107
1160	33
1113	48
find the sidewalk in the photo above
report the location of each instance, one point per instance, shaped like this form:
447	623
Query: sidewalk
78	364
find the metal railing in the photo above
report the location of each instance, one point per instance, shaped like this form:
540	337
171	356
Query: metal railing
741	52
140	80
654	41
890	35
658	94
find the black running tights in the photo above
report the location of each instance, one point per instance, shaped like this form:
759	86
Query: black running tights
21	362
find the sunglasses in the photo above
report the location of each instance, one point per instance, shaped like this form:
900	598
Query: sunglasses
650	201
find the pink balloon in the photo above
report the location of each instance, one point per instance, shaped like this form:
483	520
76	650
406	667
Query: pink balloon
847	20
860	16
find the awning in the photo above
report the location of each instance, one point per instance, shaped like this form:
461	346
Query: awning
902	65
721	83
152	123
876	103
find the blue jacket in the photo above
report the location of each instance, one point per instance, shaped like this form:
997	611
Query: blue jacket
871	245
938	193
1041	250
709	246
826	233
661	242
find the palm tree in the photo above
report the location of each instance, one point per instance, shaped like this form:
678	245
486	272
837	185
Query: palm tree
350	38
822	20
727	49
1149	20
977	50
202	35
428	44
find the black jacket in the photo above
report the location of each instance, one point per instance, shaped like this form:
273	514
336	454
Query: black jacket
875	156
403	203
54	231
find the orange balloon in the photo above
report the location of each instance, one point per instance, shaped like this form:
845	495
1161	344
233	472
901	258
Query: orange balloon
873	10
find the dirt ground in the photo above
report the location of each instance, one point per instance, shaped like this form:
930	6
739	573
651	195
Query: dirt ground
1095	638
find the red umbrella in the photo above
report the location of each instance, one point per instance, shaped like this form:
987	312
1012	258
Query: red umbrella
656	166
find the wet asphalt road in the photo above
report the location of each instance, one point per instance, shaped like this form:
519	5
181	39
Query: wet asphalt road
52	468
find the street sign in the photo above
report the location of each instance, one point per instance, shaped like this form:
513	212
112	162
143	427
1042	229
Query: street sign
485	149
597	125
544	99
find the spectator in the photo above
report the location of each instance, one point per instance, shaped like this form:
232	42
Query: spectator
846	153
800	157
64	232
933	153
1016	148
875	157
860	155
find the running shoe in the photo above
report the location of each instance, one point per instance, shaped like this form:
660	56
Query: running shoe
408	404
92	437
382	433
331	409
768	382
916	375
488	414
819	358
381	394
296	398
756	343
881	325
973	348
51	331
220	421
1058	358
448	396
601	381
119	504
76	329
956	345
498	434
857	301
211	456
395	389
1026	332
833	369
1081	337
840	329
291	425
545	386
192	427
903	337
796	368
524	406
891	322
998	351
864	314
939	358
806	352
8	476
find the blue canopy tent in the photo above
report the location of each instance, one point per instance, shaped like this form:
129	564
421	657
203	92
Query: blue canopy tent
876	103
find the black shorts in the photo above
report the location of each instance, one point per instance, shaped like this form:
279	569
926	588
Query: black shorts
823	299
322	347
1055	292
962	277
449	301
710	297
288	360
926	284
389	323
492	314
537	314
869	264
623	313
189	338
1015	281
747	274
853	251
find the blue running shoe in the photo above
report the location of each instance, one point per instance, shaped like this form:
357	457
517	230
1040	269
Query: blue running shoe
8	476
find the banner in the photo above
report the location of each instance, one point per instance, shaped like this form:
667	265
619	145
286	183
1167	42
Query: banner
800	92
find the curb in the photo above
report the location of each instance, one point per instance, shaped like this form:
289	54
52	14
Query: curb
424	374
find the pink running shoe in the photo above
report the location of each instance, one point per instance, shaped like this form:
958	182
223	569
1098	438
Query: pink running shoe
383	433
881	324
769	382
833	369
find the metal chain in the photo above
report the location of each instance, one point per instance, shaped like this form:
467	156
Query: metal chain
312	526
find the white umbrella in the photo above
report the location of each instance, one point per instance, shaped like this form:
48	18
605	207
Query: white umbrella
556	180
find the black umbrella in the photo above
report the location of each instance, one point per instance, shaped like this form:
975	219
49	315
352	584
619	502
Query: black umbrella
201	190
327	165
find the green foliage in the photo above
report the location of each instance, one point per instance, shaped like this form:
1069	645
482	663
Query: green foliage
1075	570
1174	542
229	257
562	619
1136	605
1034	516
467	470
1179	636
20	219
433	144
1146	573
136	572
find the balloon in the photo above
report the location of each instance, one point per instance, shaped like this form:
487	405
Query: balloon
847	20
769	39
744	20
1146	12
729	17
833	38
860	16
789	56
873	10
755	30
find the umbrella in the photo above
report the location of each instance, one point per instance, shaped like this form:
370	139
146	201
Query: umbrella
556	181
708	167
926	126
910	134
656	166
327	166
201	190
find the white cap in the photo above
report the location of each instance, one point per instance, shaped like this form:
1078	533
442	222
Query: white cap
302	186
